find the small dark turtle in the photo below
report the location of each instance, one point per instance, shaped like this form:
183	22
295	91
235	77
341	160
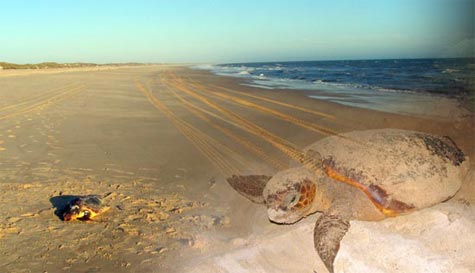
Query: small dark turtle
84	208
362	175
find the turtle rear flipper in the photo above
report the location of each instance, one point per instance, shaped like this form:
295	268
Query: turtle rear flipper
250	186
328	232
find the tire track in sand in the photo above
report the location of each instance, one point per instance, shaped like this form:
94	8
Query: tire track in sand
276	102
38	97
251	147
202	142
281	144
294	107
42	103
223	97
225	150
291	119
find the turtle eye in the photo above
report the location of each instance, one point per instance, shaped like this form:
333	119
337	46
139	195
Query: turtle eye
292	199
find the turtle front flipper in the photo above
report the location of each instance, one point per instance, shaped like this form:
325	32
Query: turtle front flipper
250	186
328	232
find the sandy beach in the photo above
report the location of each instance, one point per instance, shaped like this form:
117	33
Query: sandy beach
158	142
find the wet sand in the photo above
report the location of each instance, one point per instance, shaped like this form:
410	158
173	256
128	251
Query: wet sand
158	142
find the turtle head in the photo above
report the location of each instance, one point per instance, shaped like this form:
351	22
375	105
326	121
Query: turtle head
72	212
290	195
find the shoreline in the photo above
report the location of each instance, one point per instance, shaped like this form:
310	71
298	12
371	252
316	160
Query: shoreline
160	142
394	101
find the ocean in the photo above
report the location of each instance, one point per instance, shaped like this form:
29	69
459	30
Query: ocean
365	83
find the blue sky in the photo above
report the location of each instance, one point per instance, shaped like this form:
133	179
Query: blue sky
233	31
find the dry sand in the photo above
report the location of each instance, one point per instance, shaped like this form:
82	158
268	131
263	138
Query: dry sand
159	142
27	72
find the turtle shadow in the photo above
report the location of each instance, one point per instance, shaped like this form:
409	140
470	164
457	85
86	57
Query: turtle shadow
60	204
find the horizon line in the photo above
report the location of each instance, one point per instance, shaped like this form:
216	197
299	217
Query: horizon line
239	62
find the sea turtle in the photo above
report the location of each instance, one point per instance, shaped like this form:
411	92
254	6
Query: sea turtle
361	175
84	208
